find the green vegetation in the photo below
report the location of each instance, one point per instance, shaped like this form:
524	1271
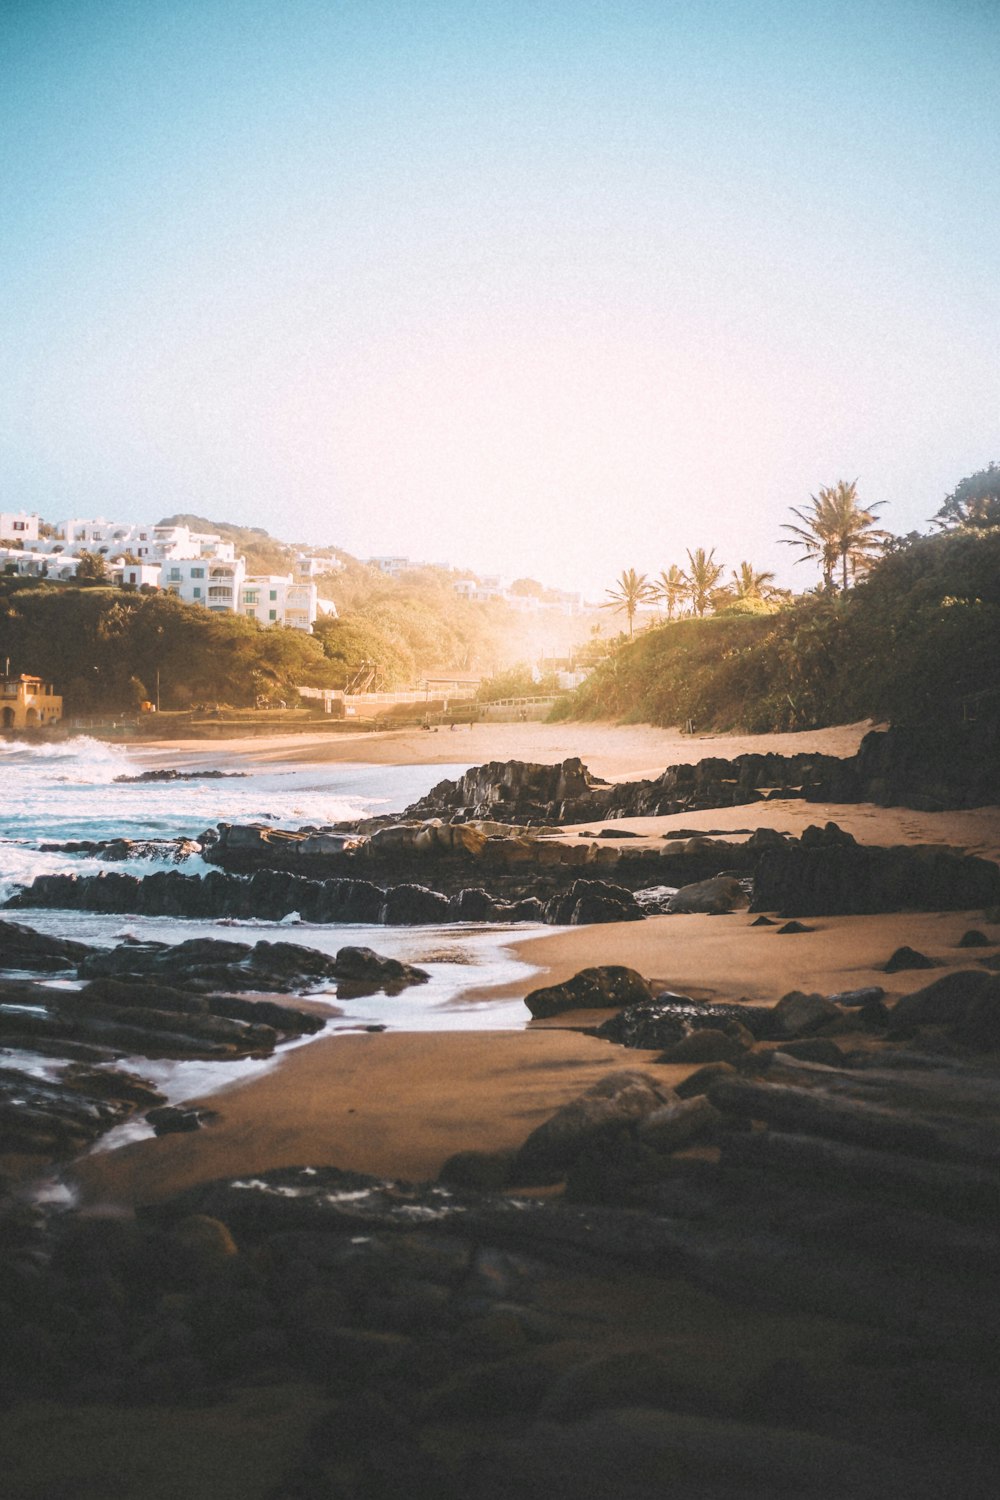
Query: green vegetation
922	630
416	625
106	649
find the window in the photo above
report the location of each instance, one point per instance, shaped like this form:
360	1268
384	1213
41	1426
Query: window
196	592
272	614
175	573
197	572
20	525
273	595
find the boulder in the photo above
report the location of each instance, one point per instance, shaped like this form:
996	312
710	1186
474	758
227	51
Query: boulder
610	985
617	1100
592	901
797	1014
365	966
724	893
669	1018
944	1002
410	905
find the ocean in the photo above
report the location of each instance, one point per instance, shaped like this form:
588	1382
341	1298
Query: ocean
67	791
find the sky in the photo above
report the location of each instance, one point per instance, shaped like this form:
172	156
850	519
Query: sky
545	288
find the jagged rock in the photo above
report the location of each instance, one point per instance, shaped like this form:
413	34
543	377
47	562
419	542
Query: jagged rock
790	927
724	893
619	1099
22	947
410	905
974	939
592	901
590	989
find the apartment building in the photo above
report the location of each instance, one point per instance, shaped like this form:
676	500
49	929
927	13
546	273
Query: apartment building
18	526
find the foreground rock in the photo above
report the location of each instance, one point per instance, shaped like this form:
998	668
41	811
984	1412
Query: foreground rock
608	986
23	948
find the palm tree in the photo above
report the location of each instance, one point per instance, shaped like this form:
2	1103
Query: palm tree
671	587
632	589
703	575
837	529
748	584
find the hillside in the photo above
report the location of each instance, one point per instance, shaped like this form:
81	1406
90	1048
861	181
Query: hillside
922	631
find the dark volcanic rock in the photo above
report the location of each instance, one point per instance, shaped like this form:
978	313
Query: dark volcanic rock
516	792
908	958
837	879
590	989
944	1001
592	901
23	948
670	1018
170	774
622	1098
365	966
409	905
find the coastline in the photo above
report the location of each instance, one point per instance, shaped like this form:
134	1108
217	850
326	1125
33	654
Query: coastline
612	751
399	1103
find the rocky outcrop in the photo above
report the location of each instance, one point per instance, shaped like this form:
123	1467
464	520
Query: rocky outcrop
839	878
517	791
23	948
276	894
208	965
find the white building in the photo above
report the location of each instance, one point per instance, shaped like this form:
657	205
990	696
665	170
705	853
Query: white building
211	581
279	599
391	566
18	526
35	564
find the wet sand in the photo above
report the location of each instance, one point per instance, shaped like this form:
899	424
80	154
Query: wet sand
400	1103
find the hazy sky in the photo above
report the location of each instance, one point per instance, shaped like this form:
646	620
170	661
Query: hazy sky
549	287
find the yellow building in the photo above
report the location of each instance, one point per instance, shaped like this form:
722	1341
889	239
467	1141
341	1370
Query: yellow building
28	703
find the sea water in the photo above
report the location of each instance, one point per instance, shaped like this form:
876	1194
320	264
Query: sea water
69	791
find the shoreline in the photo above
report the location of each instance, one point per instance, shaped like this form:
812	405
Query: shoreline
398	1103
612	751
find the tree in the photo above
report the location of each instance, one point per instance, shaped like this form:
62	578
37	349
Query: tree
703	576
91	568
671	587
631	590
975	502
749	584
837	529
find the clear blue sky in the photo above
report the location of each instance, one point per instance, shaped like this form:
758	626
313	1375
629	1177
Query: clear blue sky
552	287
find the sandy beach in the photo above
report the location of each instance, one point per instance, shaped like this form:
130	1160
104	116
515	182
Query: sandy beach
612	751
400	1104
